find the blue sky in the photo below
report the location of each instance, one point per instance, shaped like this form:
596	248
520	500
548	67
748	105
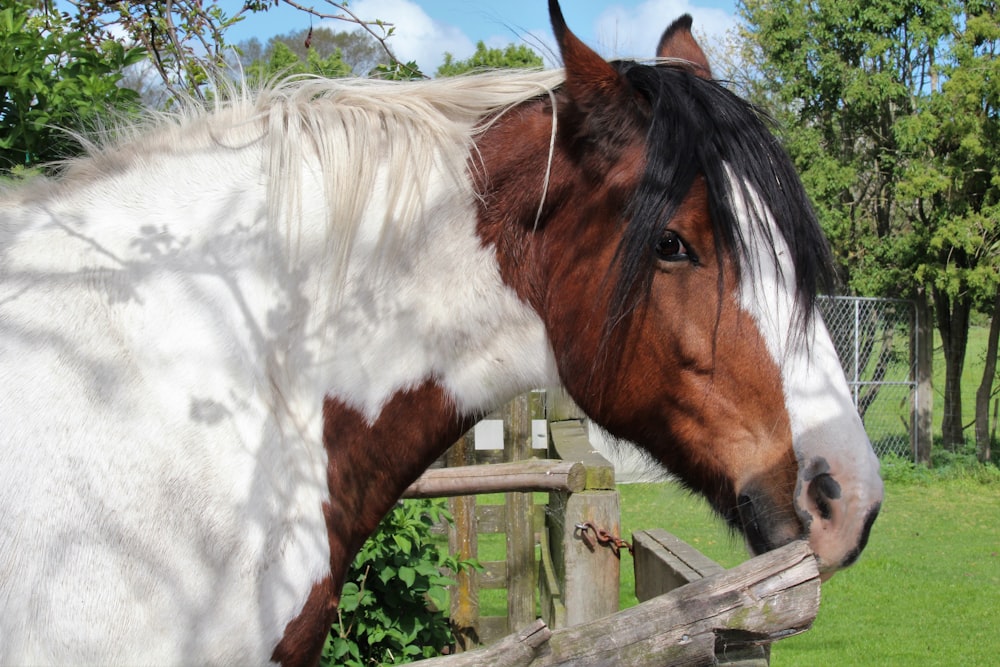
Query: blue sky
426	29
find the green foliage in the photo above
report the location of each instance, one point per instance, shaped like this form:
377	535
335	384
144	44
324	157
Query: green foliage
946	466
288	54
186	39
283	61
391	606
850	77
512	57
895	118
358	49
398	71
52	79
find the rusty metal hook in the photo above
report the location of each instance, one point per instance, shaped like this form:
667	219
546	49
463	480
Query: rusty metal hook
602	537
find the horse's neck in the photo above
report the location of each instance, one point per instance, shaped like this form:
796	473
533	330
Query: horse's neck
425	340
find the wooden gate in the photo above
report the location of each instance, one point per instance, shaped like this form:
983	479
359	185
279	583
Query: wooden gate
549	569
693	611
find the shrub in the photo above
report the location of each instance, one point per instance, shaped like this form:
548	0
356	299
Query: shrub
391	606
961	466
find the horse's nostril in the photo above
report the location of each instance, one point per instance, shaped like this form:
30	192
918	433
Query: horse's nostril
822	489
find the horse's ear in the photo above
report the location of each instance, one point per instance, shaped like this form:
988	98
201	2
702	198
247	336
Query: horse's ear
678	42
591	82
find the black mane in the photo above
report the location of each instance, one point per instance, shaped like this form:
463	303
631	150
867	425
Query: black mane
698	127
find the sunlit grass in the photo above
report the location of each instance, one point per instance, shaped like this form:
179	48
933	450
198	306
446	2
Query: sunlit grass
926	591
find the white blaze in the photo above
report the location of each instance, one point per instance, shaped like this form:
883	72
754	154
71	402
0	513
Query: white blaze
827	432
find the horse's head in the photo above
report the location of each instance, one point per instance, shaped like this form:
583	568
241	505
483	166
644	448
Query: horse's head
678	261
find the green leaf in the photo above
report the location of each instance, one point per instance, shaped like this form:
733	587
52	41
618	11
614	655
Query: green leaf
404	544
407	575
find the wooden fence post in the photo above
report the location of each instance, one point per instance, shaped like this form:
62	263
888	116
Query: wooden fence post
519	521
588	572
463	541
922	350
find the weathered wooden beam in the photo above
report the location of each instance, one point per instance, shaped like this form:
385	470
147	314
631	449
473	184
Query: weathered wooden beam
570	442
767	598
664	562
519	520
533	475
463	541
511	651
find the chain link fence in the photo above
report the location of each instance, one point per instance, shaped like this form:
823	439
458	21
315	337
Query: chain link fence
874	338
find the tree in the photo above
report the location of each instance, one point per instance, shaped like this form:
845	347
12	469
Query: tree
871	91
985	392
358	49
519	56
53	79
955	187
283	60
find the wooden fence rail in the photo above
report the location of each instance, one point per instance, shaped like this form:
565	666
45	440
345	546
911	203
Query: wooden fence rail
521	476
767	598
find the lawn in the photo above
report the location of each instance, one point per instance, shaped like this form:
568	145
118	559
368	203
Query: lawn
926	591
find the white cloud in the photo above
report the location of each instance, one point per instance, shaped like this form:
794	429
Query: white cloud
634	33
417	36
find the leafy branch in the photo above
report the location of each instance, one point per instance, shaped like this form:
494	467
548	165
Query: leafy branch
186	39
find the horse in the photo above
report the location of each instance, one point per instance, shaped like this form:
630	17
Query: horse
233	335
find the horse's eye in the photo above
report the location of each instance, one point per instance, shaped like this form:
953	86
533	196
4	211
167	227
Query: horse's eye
670	248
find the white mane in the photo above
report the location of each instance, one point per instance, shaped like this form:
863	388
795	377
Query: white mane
347	128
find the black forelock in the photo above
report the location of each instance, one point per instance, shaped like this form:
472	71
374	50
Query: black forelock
698	127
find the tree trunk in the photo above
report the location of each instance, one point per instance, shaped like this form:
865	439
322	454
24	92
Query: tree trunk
953	324
922	343
985	391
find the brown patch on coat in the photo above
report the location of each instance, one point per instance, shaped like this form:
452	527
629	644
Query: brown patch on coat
370	465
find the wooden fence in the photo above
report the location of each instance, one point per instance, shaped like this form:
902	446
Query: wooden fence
549	569
765	599
693	611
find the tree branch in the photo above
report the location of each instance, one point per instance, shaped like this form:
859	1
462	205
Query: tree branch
174	31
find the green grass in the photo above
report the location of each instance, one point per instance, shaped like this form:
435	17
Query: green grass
926	591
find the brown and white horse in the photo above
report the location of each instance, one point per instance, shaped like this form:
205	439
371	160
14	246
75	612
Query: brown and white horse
230	338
